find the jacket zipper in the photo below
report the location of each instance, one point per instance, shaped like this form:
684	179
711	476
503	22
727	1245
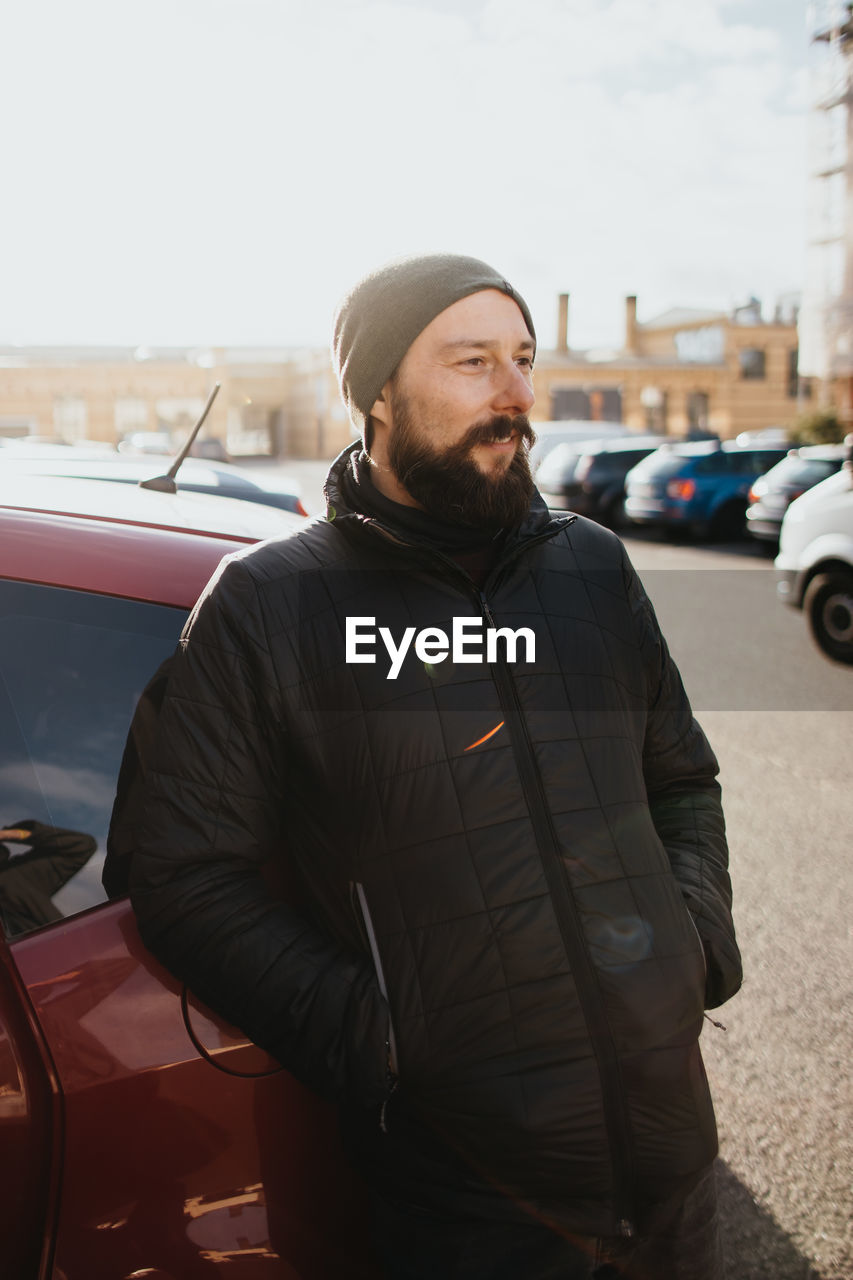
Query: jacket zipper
616	1118
615	1110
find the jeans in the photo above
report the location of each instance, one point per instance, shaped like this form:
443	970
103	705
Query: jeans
415	1244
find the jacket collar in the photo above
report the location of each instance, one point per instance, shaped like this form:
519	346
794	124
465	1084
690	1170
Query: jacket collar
538	523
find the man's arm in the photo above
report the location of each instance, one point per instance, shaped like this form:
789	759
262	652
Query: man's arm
214	812
680	771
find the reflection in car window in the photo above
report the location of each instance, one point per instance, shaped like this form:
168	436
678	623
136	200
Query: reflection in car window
36	860
72	667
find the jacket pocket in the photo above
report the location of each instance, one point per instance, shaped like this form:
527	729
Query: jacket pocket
699	941
367	921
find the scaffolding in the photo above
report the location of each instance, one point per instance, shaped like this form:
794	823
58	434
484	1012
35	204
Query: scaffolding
826	320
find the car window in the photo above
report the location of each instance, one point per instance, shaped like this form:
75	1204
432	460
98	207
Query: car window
752	462
225	482
661	464
624	459
808	471
712	464
742	462
559	465
72	667
766	458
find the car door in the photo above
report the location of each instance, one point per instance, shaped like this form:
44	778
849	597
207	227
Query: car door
142	1136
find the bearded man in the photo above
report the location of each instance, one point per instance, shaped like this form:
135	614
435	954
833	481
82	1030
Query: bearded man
453	716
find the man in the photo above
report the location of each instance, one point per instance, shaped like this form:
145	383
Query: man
453	719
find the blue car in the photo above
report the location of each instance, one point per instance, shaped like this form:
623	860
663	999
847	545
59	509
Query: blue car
700	488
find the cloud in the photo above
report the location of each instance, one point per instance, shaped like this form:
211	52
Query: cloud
220	170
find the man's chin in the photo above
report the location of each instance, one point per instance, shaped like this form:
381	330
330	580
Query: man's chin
492	463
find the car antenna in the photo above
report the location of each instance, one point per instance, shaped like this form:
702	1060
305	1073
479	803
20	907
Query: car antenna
166	483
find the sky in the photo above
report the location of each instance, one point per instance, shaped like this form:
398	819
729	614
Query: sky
193	172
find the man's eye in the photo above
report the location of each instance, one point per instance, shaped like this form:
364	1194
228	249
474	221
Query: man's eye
526	362
474	360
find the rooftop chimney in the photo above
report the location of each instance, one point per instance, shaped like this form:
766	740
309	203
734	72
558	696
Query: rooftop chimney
631	325
563	322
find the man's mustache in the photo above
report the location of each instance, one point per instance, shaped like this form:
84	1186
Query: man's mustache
501	427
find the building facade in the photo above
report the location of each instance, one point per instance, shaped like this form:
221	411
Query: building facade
271	401
687	372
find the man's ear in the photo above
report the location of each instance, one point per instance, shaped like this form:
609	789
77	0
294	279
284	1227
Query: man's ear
381	411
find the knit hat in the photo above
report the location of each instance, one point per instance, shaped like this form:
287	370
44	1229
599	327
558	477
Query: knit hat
382	315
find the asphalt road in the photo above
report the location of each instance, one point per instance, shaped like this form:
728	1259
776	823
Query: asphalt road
780	718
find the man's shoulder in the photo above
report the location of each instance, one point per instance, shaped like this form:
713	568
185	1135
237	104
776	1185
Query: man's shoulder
590	544
316	545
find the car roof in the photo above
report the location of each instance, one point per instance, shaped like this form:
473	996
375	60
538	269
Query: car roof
624	443
609	444
555	425
128	504
700	448
840	482
138	562
101	462
579	429
825	452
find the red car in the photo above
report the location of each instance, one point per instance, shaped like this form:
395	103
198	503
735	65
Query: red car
140	1136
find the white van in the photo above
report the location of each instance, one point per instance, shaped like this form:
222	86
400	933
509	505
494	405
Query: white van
814	567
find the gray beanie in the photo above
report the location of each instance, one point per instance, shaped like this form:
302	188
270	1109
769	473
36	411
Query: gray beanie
382	315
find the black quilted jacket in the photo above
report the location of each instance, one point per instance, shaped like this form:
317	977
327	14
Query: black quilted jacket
533	915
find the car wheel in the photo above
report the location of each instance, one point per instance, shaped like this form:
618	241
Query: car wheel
828	605
729	521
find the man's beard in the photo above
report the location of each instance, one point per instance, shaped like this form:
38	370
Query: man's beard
448	483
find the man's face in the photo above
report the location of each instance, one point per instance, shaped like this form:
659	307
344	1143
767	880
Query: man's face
452	425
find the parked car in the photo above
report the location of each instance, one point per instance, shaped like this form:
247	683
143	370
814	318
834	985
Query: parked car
140	1134
570	431
162	442
772	493
698	488
194	476
156	442
814	567
589	478
765	435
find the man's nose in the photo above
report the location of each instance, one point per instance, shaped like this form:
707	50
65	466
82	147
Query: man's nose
514	394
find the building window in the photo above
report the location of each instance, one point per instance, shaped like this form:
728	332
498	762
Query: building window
12	426
752	362
706	345
250	430
178	414
131	414
793	372
70	418
590	404
697	413
657	416
654	402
